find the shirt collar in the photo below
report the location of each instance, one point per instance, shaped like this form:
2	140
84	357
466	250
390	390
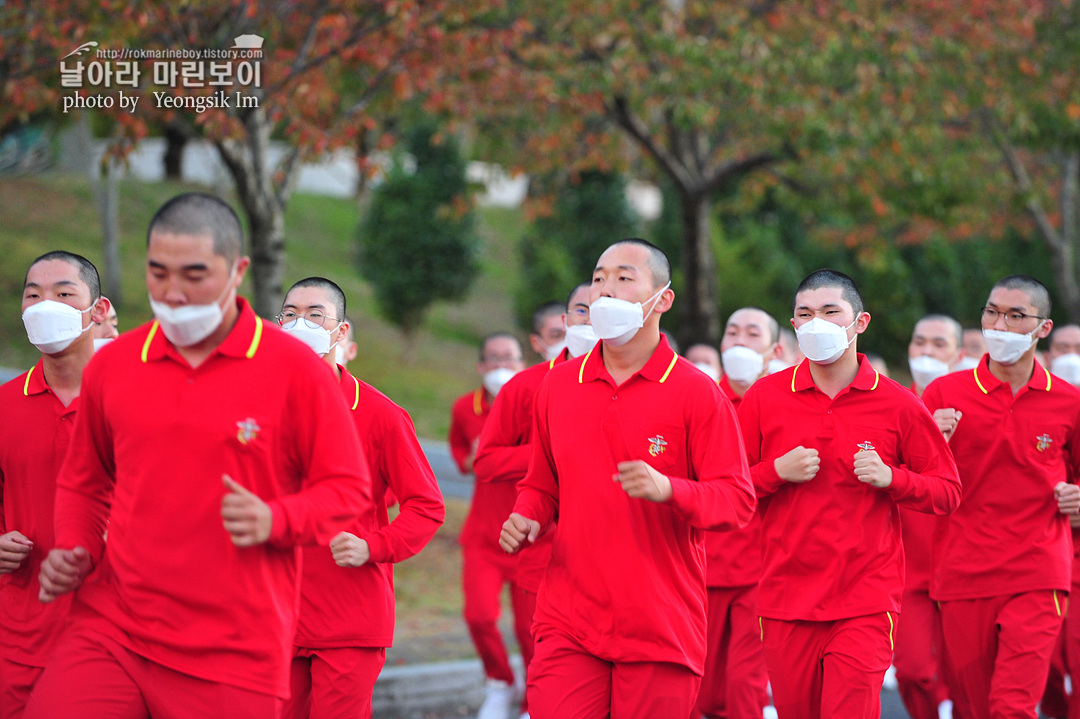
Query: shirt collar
725	387
987	382
867	378
35	380
656	369
242	341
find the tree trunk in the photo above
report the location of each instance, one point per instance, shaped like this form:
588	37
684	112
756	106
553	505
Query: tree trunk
177	136
1065	245
107	192
263	197
698	312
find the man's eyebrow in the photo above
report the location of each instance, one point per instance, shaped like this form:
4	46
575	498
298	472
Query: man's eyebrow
58	283
197	266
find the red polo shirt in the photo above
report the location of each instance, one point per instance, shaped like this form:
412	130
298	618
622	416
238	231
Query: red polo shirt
627	576
918	533
151	444
467	417
831	546
733	559
501	462
34	435
1007	537
354	606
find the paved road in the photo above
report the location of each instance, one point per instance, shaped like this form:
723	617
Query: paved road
451	482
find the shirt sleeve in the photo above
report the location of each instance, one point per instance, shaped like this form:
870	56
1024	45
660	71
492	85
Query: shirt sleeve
762	473
336	482
404	467
538	492
84	487
928	480
503	454
459	442
721	494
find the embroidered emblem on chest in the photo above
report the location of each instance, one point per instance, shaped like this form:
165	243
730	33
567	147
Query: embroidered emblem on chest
248	430
865	446
657	445
1043	441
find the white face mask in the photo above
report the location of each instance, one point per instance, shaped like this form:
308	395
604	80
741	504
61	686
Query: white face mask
966	363
313	335
1067	367
189	325
1008	347
553	351
777	365
52	326
742	364
617	321
496	378
99	343
926	369
580	339
708	369
822	341
339	355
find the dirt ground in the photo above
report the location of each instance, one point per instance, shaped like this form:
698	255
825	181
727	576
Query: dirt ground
429	600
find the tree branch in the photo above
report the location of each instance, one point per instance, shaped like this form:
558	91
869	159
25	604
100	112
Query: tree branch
620	113
1022	182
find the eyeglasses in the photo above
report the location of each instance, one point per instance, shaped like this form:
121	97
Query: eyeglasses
1012	317
312	316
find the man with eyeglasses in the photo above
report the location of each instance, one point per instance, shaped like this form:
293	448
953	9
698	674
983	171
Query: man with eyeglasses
502	459
347	588
1002	564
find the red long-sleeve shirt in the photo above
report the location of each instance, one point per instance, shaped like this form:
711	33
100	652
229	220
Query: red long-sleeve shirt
627	576
354	606
1008	536
733	558
831	546
501	462
152	441
34	435
467	417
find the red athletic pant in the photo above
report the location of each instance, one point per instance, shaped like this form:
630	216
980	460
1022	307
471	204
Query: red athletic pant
484	572
566	682
93	675
1055	700
998	651
917	656
333	683
735	681
828	669
16	682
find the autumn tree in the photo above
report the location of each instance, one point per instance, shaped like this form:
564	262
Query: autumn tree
330	69
709	94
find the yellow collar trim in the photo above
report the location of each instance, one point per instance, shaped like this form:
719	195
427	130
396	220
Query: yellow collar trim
149	339
669	368
356	400
255	338
26	384
581	369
